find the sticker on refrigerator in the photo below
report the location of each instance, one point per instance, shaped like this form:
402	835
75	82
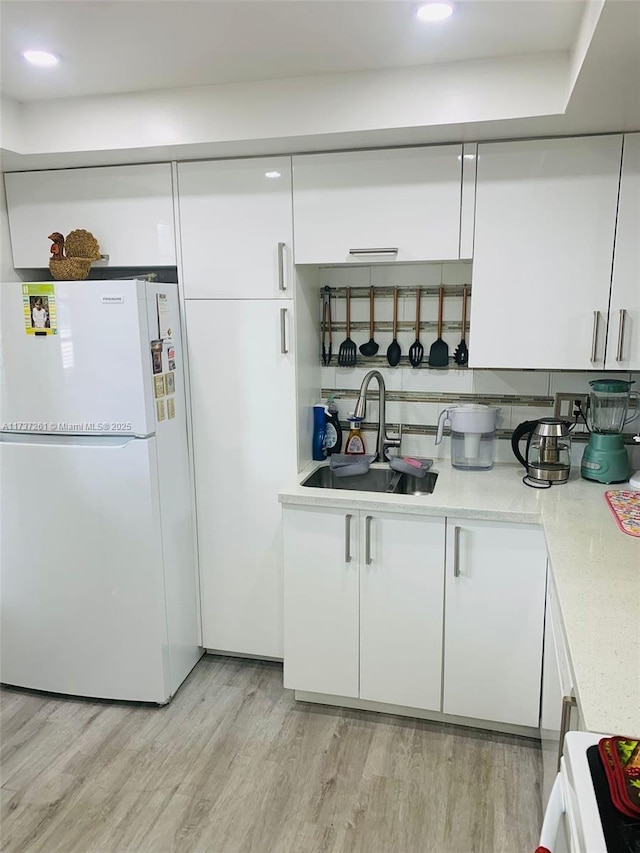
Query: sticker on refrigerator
171	355
39	309
158	386
156	356
164	317
171	407
160	410
170	383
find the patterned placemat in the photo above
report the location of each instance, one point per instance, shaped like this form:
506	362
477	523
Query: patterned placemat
625	507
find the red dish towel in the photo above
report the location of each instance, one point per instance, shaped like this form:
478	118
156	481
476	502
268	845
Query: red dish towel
625	507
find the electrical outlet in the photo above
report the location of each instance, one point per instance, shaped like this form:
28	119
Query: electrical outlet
566	407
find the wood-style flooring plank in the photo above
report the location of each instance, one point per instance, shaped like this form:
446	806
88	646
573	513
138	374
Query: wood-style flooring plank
234	765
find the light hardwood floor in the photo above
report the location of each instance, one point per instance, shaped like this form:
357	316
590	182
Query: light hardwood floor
235	765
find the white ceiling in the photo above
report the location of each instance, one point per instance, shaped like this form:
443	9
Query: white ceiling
118	46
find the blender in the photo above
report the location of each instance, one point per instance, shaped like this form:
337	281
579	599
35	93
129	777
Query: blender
605	457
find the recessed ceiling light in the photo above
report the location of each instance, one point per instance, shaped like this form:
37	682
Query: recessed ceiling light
41	57
434	12
272	175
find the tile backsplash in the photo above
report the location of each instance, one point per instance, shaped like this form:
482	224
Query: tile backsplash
416	396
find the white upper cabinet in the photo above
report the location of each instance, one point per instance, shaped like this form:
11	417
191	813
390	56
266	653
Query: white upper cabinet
391	205
623	340
544	232
129	210
236	228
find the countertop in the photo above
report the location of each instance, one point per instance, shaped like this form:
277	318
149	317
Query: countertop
595	569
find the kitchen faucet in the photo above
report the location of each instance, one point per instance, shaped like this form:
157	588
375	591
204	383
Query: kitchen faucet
383	442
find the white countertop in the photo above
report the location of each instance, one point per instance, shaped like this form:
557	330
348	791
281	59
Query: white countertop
595	568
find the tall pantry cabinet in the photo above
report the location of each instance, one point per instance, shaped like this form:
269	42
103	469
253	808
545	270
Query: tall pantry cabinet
236	241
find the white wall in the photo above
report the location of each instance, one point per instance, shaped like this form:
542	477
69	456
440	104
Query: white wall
447	94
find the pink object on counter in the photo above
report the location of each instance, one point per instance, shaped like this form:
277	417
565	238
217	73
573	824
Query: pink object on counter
415	463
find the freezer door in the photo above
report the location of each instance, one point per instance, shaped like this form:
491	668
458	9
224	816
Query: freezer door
81	572
92	376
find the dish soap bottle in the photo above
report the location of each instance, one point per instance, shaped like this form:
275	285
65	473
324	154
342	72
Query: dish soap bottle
319	431
355	441
333	430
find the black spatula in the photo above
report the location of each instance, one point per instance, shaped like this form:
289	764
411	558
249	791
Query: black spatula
439	352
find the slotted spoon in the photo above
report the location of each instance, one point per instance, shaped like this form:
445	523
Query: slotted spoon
416	350
347	352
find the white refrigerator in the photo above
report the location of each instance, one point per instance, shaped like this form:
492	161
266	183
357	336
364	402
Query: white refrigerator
98	575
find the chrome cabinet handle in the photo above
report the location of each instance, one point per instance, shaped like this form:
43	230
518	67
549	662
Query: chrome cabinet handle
284	349
281	283
347	538
594	338
623	317
456	552
367	540
374	251
568	702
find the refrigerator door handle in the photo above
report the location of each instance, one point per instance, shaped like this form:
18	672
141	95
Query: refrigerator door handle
54	440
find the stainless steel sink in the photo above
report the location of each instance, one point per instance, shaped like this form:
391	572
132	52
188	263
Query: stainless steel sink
410	485
375	480
382	480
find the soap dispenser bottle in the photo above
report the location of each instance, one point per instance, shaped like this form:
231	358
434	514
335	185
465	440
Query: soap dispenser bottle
333	430
355	441
319	432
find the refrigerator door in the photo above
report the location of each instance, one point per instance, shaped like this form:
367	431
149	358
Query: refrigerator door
93	375
82	576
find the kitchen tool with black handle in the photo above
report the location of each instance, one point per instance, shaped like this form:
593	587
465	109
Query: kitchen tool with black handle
370	349
347	352
439	352
461	354
416	350
394	351
327	291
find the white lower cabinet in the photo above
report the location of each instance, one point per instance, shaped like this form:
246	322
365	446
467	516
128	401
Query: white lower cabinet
367	615
494	617
363	605
558	712
244	411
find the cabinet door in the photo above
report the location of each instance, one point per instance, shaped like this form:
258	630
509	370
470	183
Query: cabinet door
401	594
403	200
243	411
236	228
623	341
128	209
557	692
494	614
545	222
321	600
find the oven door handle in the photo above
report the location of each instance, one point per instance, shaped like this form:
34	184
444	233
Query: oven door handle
552	818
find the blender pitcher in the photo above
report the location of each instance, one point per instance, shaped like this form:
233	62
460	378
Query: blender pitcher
473	435
608	405
605	457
